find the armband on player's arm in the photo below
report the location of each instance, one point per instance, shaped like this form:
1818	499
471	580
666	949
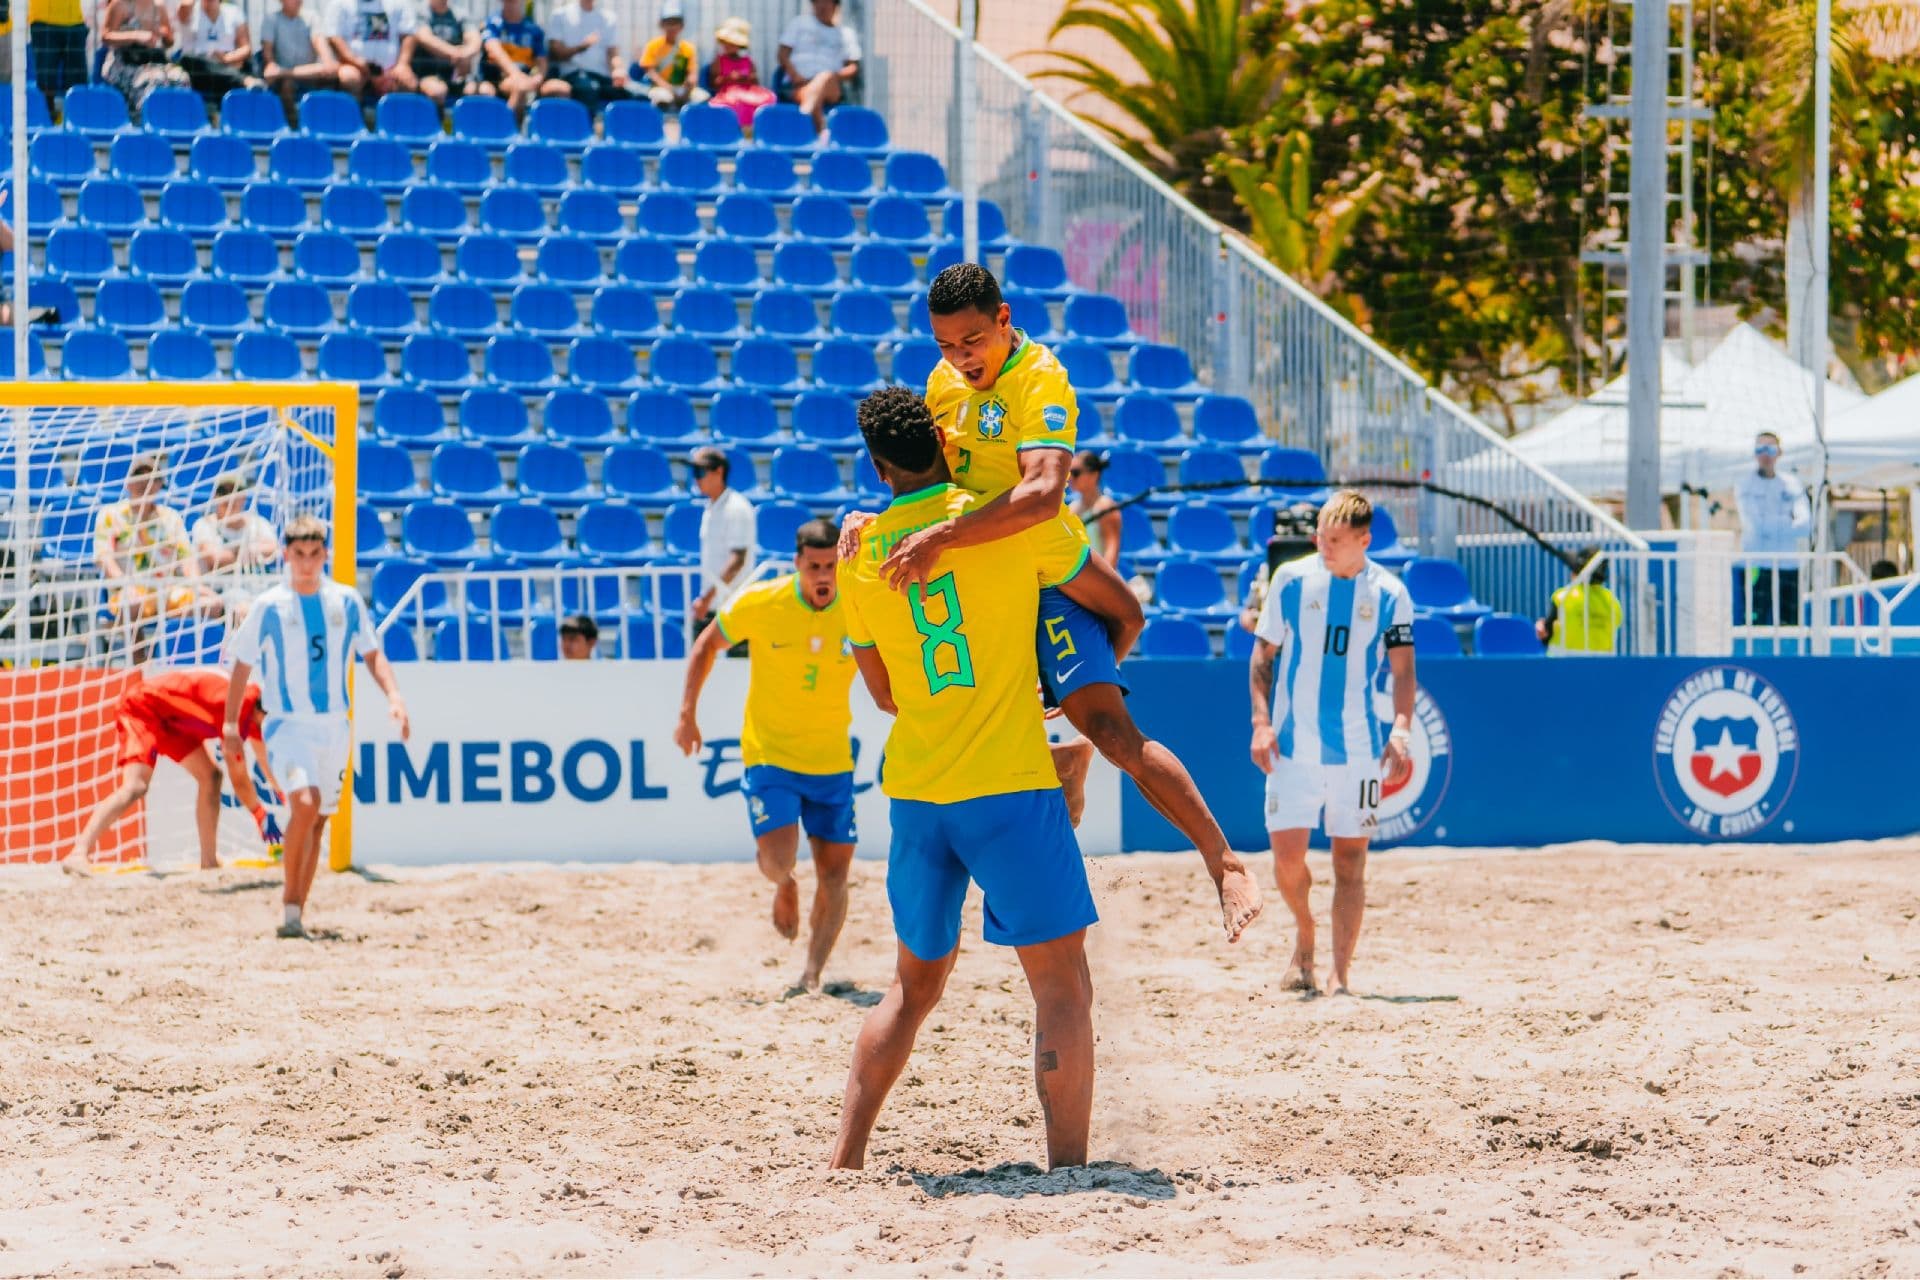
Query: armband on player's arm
1399	635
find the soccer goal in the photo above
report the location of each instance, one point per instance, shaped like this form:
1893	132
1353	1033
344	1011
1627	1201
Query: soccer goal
137	523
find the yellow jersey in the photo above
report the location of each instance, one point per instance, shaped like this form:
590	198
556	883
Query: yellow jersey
959	653
799	669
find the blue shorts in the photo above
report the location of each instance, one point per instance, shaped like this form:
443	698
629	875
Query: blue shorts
1073	647
821	802
1019	847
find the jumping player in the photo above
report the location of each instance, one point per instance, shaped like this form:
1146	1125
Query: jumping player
1009	419
176	714
303	634
974	790
1335	615
794	740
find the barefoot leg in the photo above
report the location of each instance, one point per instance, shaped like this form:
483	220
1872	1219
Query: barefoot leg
880	1053
206	809
831	865
1349	905
133	786
776	851
1295	882
1071	760
1062	1043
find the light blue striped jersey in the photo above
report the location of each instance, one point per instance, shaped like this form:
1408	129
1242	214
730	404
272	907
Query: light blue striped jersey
301	647
1333	635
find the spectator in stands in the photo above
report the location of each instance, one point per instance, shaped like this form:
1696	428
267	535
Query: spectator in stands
820	55
583	44
669	62
1091	503
446	52
292	61
58	31
726	534
1775	521
373	42
138	35
515	65
215	48
141	544
1583	617
232	538
734	78
579	637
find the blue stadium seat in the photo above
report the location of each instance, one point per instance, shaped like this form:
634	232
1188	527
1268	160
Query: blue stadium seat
592	215
216	308
132	308
636	126
252	113
668	215
570	261
808	475
355	210
511	212
863	314
104	465
1089	367
1239	647
688	171
899	220
1202	529
710	128
547	312
1099	317
333	118
496	418
726	265
43	205
353	357
392	580
807	267
407	117
175	114
61	297
1506	635
867	482
266	357
39	117
747	218
80	254
297	308
627	312
1434	637
919	175
776	525
1149	422
1131	472
1204	467
467	473
381	163
193	207
493	261
521	363
328	258
527	533
603	364
370	538
222	161
768	174
560	122
1386	548
112	206
1138	540
144	159
180	355
465	311
1191	587
95	110
742	416
1031	316
845	365
165	257
66	534
408	258
707	313
437	531
646	261
1302	467
857	129
487	121
993	224
766	364
461	166
408	417
437	362
663	417
914	361
397	642
1039	270
64	159
1173	638
1163	369
842	174
787	314
538	167
578	418
826	418
824	219
641	474
614	170
1440	587
274	207
644	637
300	161
614	533
190	642
434	211
383	309
1228	420
944	255
246	257
781	126
551	472
884	267
499	604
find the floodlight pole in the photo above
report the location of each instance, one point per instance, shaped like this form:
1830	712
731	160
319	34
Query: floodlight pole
1816	303
1646	269
969	128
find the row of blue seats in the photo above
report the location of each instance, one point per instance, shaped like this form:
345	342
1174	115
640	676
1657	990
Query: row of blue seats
630	636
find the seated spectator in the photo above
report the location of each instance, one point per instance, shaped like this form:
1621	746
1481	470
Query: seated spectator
515	63
668	62
58	31
292	61
819	54
231	538
1091	502
373	42
141	546
579	637
140	46
446	53
581	41
215	47
736	82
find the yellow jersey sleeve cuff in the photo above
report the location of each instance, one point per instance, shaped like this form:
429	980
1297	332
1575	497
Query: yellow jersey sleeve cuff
1079	563
1045	444
720	625
860	644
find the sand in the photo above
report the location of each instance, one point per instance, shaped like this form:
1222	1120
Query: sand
1585	1062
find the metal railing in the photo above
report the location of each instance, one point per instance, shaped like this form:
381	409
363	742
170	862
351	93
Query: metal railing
495	615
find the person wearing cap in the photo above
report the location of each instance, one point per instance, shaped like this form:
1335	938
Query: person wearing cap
668	62
579	637
581	41
726	534
1775	521
732	75
820	54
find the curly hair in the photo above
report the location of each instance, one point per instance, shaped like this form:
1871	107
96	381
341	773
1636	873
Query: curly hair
964	286
899	430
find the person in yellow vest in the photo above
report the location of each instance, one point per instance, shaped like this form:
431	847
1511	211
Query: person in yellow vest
1582	617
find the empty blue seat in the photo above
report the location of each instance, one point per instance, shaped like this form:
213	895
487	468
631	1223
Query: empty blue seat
96	110
1440	587
246	257
842	364
79	253
592	215
726	265
614	533
560	122
646	261
179	355
266	357
1300	475
884	267
1173	638
396	642
382	308
645	637
104	465
749	219
468	473
1506	635
487	121
552	472
407	117
580	418
914	361
625	311
408	258
637	126
662	415
825	219
1386	547
437	531
710	128
66	534
777	525
1239	646
899	220
1162	368
1099	317
195	208
1228	420
826	418
223	161
707	313
1202	529
1434	638
165	257
781	126
639	473
1038	269
527	533
490	260
867	481
495	417
842	175
1131	472
603	364
333	117
508	211
410	417
174	114
353	357
807	474
57	295
522	363
766	364
434	211
252	113
1149	422
461	166
787	314
64	159
1219	474
300	161
538	167
144	159
919	175
944	255
1089	367
112	206
857	129
381	163
392	581
993	223
129	307
547	312
274	207
355	210
768	174
435	361
298	308
370	539
688	171
1031	315
1191	587
741	416
464	310
327	257
807	267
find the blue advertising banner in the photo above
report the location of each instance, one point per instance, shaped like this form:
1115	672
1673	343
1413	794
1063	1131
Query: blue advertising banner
1544	751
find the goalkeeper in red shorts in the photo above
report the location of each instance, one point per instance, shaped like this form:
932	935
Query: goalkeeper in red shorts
175	714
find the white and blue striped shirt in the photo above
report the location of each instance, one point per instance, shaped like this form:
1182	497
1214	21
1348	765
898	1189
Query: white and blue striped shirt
301	648
1333	635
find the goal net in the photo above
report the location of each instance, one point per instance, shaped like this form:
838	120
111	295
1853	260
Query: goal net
137	524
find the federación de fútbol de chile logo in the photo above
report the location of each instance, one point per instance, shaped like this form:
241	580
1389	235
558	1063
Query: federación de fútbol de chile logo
1725	752
1410	804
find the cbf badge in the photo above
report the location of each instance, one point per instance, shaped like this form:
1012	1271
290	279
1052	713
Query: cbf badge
993	420
1408	805
1726	752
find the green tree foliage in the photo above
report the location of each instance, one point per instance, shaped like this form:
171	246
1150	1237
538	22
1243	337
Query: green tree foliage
1302	231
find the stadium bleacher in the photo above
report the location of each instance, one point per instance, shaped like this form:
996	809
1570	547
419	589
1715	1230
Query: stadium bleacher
542	321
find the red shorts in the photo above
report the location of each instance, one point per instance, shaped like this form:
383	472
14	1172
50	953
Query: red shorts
141	739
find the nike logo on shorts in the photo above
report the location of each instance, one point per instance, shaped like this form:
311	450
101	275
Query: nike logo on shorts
1061	677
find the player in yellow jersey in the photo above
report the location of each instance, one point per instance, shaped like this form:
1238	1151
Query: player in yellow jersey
795	739
1009	420
973	789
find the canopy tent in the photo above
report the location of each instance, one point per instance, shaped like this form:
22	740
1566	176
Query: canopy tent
1878	442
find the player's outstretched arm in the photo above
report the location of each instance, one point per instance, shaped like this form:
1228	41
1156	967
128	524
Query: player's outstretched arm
1099	587
1260	687
874	671
706	649
1398	758
383	675
1037	498
232	751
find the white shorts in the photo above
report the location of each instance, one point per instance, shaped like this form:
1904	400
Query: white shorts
1297	792
310	752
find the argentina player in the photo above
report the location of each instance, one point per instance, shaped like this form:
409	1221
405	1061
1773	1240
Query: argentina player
1330	617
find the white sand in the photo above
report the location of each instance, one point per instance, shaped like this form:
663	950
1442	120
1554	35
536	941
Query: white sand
1583	1062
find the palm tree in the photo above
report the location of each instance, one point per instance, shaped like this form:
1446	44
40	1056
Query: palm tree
1302	233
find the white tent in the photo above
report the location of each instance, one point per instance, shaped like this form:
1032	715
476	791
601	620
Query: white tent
1878	442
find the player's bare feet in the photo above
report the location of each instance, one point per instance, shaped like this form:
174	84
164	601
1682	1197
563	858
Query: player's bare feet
1337	984
1071	760
76	864
1239	901
786	909
1300	976
292	929
210	864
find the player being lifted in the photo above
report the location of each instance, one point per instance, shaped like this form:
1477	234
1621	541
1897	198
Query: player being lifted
1333	616
302	635
794	740
1009	419
176	714
973	788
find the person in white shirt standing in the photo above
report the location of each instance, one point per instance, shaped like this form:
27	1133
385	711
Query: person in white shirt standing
373	39
820	54
726	534
1332	617
303	635
1776	519
582	45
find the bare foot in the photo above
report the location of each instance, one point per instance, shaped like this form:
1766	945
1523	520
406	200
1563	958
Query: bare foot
1239	901
786	909
1071	760
1337	984
75	864
1300	975
210	864
291	931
